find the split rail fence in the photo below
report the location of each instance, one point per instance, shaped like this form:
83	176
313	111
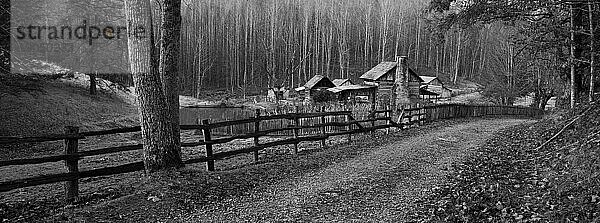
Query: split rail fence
301	127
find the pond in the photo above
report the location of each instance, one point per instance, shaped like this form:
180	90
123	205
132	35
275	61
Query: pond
191	116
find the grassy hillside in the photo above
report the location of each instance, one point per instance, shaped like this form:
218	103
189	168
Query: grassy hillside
514	178
34	105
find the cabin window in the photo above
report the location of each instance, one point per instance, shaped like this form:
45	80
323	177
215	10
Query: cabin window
362	99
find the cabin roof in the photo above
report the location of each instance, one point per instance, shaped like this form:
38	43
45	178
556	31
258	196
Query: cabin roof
414	74
427	79
384	67
318	79
339	82
378	71
350	87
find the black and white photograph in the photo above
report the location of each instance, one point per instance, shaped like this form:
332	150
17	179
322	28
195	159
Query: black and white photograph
419	111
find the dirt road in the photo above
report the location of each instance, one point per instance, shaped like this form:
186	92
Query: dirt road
378	185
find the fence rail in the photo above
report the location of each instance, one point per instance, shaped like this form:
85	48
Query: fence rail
302	127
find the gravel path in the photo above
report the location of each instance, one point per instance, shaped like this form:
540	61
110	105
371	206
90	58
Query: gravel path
379	185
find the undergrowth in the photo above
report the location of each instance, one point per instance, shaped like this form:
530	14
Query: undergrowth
515	179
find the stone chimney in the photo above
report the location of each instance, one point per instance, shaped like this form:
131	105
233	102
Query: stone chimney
403	64
401	82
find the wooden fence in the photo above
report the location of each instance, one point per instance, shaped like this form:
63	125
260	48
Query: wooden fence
222	114
447	111
72	155
303	127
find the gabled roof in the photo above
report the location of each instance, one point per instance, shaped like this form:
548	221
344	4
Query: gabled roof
350	87
316	79
379	70
384	67
339	82
427	79
414	74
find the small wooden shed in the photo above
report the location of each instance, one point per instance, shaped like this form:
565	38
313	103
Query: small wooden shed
314	85
434	84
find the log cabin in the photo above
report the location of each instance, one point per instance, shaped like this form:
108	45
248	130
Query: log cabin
394	80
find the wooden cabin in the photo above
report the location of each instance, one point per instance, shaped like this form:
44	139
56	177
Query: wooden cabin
354	93
314	85
395	79
435	85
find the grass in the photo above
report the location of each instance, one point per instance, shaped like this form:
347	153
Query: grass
53	104
510	179
38	106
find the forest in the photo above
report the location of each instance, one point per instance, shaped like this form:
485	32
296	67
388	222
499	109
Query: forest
513	48
67	70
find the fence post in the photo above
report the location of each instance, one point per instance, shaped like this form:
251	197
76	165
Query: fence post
72	165
426	114
418	110
372	116
210	165
256	130
323	145
418	113
349	128
422	114
409	115
296	130
387	115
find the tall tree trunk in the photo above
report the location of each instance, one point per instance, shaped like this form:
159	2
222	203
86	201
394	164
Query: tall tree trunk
437	60
444	49
305	51
399	35
458	51
384	29
246	42
169	55
474	55
572	87
368	43
482	56
272	72
429	52
592	53
161	151
329	49
418	44
5	37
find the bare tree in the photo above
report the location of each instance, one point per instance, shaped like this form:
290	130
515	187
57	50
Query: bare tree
161	148
169	57
5	63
